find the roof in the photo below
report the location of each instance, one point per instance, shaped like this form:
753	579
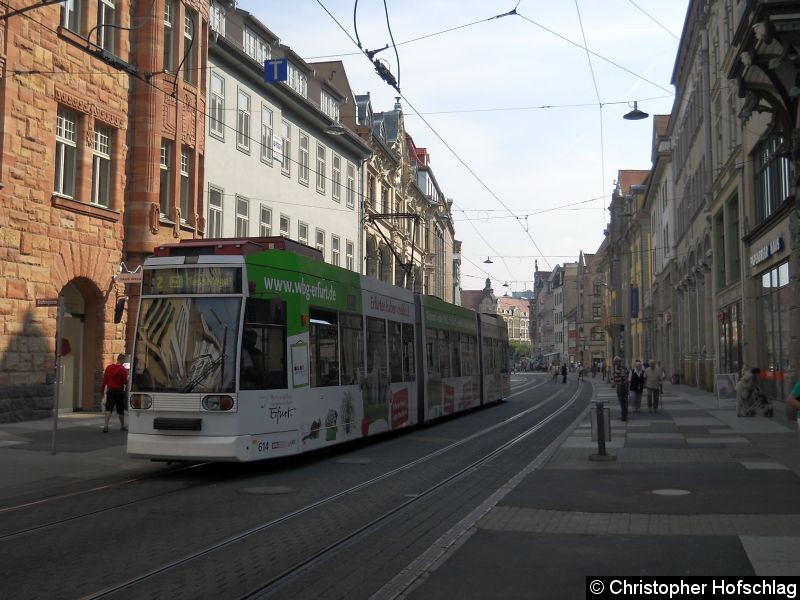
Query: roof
629	177
661	123
504	303
471	299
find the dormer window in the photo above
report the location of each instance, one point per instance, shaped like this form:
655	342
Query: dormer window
217	18
298	81
329	105
255	46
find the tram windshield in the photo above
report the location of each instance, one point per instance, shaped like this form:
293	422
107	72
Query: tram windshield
186	345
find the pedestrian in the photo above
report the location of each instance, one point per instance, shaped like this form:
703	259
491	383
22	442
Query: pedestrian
637	385
653	377
744	393
115	380
564	373
581	371
621	383
794	401
594	369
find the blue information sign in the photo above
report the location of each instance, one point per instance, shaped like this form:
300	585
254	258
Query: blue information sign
276	70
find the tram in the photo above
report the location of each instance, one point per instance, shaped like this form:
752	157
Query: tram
254	348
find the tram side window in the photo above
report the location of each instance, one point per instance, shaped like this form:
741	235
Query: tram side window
465	350
432	352
263	354
489	354
444	353
409	371
455	352
323	347
395	352
352	348
377	366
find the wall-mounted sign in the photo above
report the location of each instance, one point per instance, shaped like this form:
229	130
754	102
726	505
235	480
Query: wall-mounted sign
129	277
276	70
766	251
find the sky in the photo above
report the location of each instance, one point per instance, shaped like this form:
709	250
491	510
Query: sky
523	125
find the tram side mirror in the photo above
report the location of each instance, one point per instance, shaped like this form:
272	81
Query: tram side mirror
119	309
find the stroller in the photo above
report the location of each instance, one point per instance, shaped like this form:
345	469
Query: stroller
759	401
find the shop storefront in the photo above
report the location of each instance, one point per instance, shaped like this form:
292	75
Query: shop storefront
770	268
773	322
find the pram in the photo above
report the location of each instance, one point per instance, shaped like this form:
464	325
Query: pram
759	401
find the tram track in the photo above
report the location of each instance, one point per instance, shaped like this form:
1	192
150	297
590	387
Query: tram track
37	504
373	524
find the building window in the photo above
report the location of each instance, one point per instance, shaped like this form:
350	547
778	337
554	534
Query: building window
164	191
336	179
336	243
320	242
349	251
243	121
186	183
284	225
101	166
266	135
265	222
189	19
286	144
214	212
329	105
719	248
255	46
321	168
66	134
297	80
106	23
217	18
71	15
216	124
733	255
302	232
772	178
302	159
351	185
242	216
169	42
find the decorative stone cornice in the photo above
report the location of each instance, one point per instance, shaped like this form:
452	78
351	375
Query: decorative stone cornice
88	107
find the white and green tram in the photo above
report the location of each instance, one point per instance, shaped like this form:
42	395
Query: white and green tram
253	348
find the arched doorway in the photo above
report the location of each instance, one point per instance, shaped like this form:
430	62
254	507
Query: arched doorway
80	345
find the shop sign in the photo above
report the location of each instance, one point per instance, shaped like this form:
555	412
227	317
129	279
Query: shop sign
765	252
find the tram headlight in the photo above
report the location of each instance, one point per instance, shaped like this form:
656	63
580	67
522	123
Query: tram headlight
141	401
218	402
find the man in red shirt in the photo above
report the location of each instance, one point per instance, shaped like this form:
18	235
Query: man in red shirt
115	380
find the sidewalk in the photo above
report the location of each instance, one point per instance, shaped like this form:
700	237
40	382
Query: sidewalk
83	453
694	490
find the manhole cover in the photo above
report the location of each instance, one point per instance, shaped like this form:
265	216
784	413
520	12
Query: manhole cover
671	492
276	489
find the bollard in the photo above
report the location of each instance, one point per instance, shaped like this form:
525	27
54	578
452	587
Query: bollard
600	418
601	428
